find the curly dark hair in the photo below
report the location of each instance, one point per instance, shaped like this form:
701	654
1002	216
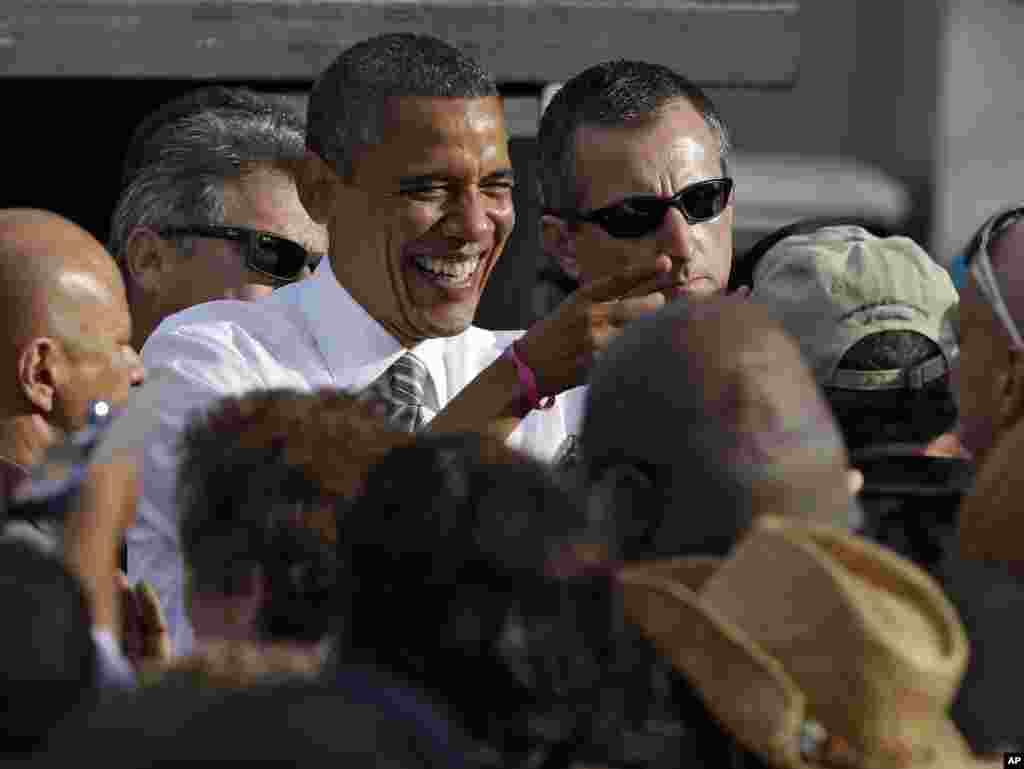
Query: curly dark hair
262	482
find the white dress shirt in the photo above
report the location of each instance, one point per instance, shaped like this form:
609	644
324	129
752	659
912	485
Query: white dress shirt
305	336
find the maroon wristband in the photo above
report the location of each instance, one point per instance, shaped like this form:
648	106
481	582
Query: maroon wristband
527	380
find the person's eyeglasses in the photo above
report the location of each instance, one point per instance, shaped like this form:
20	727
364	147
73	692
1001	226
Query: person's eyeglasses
641	215
270	255
978	263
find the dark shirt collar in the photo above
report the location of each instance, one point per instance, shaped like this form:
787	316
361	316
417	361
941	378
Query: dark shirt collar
892	470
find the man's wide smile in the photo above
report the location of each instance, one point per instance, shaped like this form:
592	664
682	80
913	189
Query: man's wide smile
450	273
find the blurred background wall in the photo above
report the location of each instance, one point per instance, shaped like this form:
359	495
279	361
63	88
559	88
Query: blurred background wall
980	155
906	111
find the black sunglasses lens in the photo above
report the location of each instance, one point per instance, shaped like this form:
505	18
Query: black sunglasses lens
640	216
705	200
278	257
634	217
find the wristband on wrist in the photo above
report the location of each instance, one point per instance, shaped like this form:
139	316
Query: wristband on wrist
528	381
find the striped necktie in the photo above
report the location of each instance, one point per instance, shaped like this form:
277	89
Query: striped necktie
403	390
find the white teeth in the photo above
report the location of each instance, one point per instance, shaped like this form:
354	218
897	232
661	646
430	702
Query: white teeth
448	270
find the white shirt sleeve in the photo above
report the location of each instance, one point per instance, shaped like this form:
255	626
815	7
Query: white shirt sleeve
187	370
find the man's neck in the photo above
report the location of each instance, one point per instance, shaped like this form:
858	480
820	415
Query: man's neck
24	439
817	496
145	319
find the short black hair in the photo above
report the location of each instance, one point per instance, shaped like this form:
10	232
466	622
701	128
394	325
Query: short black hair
905	416
346	102
614	93
47	655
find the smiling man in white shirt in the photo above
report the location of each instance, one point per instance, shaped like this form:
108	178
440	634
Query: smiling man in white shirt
408	168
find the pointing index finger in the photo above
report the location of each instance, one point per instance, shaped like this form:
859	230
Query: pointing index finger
626	282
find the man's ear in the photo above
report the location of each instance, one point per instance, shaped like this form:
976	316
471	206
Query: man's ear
313	182
147	257
854	481
1011	390
559	243
40	372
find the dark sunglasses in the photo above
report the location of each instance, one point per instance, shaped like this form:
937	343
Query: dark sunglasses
270	255
641	215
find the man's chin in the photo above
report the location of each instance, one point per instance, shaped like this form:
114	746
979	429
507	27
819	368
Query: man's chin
439	311
448	323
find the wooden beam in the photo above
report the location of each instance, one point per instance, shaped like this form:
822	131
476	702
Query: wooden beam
714	42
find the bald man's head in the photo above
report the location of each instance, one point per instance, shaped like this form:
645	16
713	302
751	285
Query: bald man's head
712	401
67	327
48	262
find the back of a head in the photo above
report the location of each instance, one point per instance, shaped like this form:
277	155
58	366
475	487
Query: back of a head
704	414
873	319
907	416
611	94
47	657
345	104
262	481
444	529
438	513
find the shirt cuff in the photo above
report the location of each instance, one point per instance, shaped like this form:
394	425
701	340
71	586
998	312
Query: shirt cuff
113	671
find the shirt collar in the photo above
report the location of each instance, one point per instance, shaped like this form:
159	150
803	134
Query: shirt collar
11	474
356	348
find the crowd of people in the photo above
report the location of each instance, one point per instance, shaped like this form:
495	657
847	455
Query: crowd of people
269	494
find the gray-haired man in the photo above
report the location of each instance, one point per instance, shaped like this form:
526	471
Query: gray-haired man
210	209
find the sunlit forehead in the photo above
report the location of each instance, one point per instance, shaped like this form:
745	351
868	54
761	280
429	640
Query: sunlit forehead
688	160
439	141
485	116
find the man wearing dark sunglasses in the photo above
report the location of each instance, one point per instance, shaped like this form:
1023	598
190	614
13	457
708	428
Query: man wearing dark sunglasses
632	172
633	168
210	208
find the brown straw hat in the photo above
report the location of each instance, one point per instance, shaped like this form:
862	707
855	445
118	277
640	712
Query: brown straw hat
813	647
